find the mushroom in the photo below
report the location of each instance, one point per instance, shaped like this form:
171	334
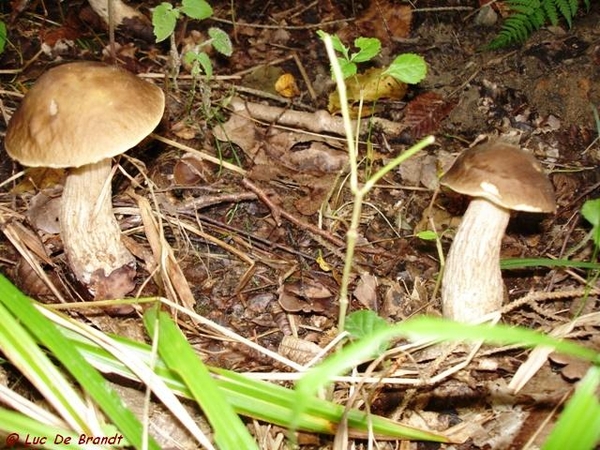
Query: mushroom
78	116
501	177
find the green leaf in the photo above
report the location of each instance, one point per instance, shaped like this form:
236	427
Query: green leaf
530	15
22	350
205	63
347	67
220	41
591	211
427	235
13	424
364	323
191	58
196	9
3	35
566	11
369	48
339	46
408	68
164	19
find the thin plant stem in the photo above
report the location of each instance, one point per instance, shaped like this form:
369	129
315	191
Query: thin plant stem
358	192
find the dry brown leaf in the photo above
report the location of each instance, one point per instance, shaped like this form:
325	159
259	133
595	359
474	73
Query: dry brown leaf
263	78
574	368
383	19
425	112
38	178
317	158
172	276
184	130
298	350
366	290
305	296
189	171
286	86
44	210
316	194
306	160
308	288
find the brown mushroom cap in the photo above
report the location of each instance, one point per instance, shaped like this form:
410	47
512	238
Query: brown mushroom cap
80	113
503	174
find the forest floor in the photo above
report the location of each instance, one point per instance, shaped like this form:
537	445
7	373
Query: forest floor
261	249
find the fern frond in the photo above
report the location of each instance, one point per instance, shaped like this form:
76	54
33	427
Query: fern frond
530	15
551	13
567	8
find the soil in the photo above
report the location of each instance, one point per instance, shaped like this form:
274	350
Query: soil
262	252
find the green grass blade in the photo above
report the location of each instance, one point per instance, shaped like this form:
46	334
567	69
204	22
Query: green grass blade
23	352
320	416
47	334
521	263
579	425
230	433
433	329
255	398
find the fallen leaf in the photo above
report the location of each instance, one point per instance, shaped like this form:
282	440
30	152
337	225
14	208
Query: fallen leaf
286	86
425	113
366	291
385	20
369	86
44	212
263	78
298	350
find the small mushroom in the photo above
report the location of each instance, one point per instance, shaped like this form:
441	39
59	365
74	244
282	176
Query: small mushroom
500	177
78	116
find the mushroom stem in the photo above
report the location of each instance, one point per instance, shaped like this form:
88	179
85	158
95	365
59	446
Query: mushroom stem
91	235
472	284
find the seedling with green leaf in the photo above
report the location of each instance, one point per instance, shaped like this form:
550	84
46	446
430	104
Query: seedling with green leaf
416	68
199	60
165	15
368	48
408	68
164	21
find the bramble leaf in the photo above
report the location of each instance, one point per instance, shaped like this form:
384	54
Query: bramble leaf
164	19
220	41
369	48
408	68
196	9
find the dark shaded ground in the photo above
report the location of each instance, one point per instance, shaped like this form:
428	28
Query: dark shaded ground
259	271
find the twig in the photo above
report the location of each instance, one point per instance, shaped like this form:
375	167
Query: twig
318	121
199	154
275	211
278	212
